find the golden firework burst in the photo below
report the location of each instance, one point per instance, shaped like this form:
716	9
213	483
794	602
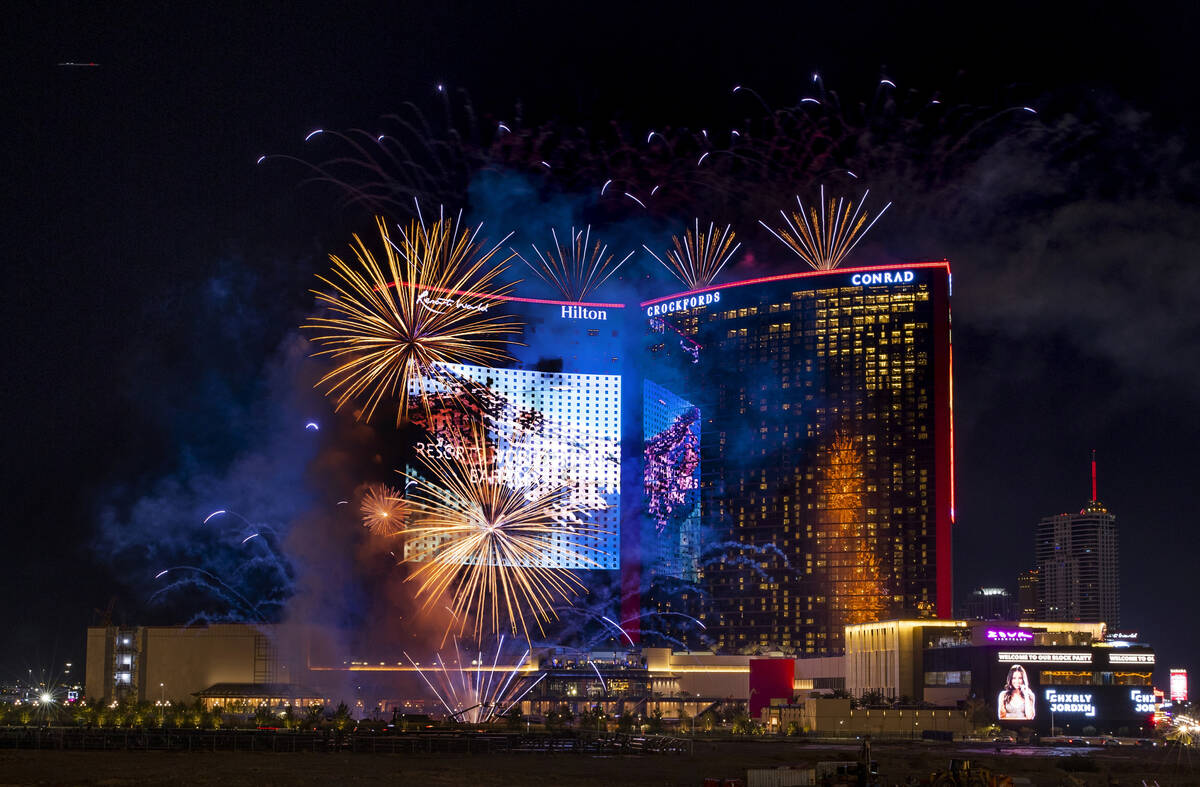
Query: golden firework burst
383	510
824	237
500	542
391	324
699	256
577	268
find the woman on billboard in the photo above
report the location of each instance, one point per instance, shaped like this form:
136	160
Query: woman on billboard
1016	701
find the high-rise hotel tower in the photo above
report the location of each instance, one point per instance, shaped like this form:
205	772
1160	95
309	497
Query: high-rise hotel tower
1078	562
823	403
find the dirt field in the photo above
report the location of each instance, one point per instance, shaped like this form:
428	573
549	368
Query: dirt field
897	763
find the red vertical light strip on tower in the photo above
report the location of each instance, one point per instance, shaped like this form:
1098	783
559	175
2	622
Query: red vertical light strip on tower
943	425
953	487
631	581
1094	498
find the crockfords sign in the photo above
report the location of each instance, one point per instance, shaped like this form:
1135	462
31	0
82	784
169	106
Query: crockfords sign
887	277
680	304
583	313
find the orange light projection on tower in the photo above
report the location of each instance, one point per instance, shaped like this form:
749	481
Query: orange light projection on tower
858	590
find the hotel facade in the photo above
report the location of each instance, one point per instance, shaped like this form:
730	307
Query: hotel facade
826	474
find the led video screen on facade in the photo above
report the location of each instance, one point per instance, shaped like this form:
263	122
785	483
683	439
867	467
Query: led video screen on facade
1062	688
551	428
671	481
1016	702
1179	688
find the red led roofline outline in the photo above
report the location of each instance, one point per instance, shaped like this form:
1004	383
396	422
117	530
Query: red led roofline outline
495	297
944	264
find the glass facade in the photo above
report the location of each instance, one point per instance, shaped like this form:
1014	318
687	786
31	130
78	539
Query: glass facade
1078	565
826	472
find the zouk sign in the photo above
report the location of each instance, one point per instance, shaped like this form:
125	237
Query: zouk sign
1009	635
886	277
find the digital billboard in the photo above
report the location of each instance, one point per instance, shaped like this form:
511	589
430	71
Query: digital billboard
1070	690
554	428
671	480
1017	701
1179	689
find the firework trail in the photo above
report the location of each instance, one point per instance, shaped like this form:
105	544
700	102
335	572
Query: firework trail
899	141
386	172
714	551
571	268
391	325
498	541
700	256
383	511
195	577
596	622
244	569
476	694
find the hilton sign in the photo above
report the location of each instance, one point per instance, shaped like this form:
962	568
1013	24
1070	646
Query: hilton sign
582	313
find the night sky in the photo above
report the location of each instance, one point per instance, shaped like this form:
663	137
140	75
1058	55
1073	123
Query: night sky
155	275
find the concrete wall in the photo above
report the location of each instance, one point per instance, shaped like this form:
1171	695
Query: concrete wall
188	660
700	674
835	717
98	665
182	660
946	696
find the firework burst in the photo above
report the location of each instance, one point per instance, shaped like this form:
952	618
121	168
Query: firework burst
391	324
577	268
823	238
499	542
478	693
383	511
699	256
